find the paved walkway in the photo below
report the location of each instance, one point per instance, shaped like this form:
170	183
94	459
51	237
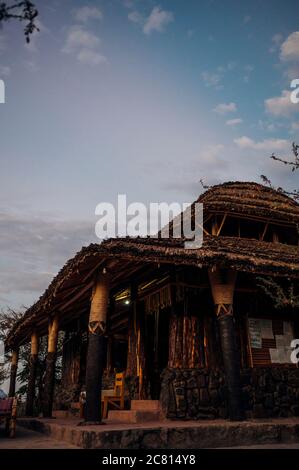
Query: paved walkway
266	446
26	439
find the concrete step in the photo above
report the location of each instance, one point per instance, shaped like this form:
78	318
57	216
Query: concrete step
145	405
167	434
60	414
132	416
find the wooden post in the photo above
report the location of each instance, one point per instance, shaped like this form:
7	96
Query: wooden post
13	372
50	367
32	374
132	368
96	349
222	286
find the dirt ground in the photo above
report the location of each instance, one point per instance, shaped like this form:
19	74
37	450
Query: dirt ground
26	439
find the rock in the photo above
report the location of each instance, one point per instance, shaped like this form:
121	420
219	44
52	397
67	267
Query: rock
268	401
201	381
191	383
213	382
258	411
204	397
215	399
293	379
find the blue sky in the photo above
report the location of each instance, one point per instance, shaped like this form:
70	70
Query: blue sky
137	97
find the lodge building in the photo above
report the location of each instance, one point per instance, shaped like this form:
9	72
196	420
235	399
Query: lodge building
195	329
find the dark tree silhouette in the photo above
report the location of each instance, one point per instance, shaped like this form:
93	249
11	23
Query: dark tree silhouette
8	319
293	163
21	11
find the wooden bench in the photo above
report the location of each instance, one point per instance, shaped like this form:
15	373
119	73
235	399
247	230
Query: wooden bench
8	412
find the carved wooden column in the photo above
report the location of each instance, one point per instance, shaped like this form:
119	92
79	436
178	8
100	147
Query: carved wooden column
32	374
96	348
13	372
222	286
50	367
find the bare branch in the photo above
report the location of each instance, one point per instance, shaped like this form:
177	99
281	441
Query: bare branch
21	11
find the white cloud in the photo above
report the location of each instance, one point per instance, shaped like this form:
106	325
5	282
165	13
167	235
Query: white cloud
136	17
234	122
2	43
84	46
78	37
280	105
86	13
31	65
211	79
269	145
158	20
211	154
248	69
90	57
289	50
276	41
295	127
128	3
36	247
4	71
269	126
224	108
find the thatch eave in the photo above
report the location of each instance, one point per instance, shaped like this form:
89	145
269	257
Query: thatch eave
247	255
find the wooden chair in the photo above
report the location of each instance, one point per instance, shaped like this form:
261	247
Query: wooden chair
114	397
8	412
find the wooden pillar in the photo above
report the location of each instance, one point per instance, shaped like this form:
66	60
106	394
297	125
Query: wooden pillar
32	374
49	380
13	372
132	369
222	286
96	348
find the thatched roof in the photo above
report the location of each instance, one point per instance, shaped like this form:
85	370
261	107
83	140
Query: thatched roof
127	255
251	199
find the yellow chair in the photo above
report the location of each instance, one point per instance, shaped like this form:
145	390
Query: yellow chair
114	397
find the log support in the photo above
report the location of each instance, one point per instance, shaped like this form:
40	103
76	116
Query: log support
222	286
13	372
96	352
32	374
49	379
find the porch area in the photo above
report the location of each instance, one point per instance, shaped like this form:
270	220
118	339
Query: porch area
269	433
191	333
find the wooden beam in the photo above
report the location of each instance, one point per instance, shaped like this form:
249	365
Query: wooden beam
63	306
264	231
221	225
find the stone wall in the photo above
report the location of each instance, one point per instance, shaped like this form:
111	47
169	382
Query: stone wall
202	393
270	392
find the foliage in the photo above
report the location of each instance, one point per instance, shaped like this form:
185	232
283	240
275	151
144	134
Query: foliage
8	318
293	162
21	11
282	296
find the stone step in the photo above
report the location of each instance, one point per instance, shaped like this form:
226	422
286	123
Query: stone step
60	414
132	416
145	405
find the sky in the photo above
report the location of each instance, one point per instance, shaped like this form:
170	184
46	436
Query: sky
136	97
